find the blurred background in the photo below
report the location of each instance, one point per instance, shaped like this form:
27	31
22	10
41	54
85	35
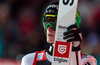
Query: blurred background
21	30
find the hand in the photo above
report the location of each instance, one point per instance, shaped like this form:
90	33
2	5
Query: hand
73	35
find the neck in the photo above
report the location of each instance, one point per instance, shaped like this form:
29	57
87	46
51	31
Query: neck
49	50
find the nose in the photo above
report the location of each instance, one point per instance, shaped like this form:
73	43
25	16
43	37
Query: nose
50	29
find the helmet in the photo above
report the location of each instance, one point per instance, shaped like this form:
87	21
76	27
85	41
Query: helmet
50	16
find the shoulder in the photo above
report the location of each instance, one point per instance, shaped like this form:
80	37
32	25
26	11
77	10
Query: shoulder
88	60
29	56
28	59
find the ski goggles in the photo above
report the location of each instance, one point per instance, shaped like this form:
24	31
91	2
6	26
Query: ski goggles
49	20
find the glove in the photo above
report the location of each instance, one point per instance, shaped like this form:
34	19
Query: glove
73	35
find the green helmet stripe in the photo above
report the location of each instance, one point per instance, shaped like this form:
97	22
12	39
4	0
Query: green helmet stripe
77	14
78	19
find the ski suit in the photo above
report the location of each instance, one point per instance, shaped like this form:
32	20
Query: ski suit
45	58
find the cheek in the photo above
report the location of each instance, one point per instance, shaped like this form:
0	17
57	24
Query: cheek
50	39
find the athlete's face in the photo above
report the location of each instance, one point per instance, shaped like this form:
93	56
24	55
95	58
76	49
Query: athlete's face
50	35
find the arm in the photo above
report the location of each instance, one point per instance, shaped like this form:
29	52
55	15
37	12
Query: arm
23	62
73	35
88	60
28	59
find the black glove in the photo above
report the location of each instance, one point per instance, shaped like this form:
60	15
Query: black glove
73	35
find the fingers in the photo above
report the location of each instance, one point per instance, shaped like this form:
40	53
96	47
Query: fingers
72	38
73	34
68	36
71	27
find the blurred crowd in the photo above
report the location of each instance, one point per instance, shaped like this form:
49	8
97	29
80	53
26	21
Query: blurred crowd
90	27
21	30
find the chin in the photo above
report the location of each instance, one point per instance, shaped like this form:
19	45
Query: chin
50	41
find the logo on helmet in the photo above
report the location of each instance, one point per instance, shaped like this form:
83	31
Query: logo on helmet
52	6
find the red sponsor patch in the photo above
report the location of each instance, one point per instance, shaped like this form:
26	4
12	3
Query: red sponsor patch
62	49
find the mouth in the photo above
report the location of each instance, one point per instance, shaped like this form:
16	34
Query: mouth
50	35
